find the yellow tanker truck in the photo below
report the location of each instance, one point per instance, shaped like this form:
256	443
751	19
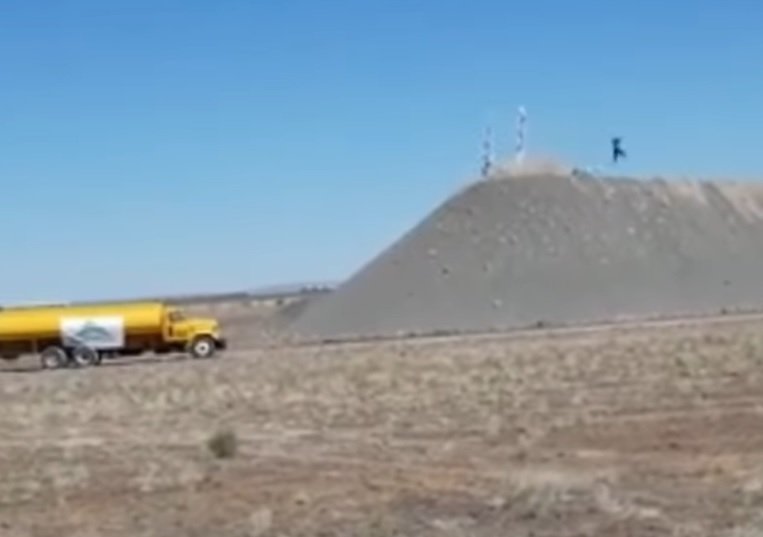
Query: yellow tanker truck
84	335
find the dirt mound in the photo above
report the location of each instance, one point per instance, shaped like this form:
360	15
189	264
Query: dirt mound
560	248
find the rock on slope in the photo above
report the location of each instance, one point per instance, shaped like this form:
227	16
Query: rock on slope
514	251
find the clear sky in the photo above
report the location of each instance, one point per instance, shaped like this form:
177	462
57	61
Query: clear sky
170	146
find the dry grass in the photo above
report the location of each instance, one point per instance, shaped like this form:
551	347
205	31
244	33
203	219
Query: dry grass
618	432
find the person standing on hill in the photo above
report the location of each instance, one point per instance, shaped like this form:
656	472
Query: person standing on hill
617	151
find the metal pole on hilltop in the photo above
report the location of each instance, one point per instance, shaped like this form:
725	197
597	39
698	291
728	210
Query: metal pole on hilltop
487	155
521	126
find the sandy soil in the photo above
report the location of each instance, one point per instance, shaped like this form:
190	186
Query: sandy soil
645	431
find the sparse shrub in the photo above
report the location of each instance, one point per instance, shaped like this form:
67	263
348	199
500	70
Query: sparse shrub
223	444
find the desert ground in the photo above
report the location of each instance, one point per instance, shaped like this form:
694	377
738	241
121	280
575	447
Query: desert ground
632	430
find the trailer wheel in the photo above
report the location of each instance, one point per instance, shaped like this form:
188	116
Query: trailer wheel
202	347
53	358
84	356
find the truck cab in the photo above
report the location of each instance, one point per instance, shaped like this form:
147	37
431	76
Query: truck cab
200	336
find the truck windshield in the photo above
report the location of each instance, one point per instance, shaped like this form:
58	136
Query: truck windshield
176	316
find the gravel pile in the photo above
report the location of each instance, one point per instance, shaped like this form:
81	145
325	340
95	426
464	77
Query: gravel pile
516	251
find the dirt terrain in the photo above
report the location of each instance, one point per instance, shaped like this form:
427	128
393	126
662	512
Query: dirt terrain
641	431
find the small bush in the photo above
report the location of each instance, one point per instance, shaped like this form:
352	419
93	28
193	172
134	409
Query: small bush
223	445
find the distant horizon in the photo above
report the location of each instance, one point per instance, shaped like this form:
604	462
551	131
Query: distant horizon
255	293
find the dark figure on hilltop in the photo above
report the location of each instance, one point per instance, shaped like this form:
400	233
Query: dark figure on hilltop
617	151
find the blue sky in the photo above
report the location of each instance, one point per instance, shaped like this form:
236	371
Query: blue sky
171	146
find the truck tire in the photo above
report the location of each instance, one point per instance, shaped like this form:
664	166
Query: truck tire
202	347
53	358
84	356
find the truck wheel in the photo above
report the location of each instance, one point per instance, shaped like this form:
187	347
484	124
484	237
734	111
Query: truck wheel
53	358
84	356
202	347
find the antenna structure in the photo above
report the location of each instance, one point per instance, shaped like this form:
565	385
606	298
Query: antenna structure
487	155
521	126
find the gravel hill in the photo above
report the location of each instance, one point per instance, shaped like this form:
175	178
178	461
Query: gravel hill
559	248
